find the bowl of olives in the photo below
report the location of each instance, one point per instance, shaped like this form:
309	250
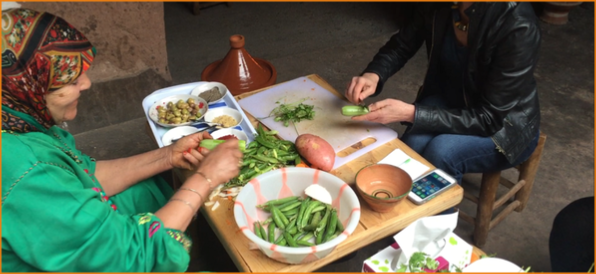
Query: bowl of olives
178	110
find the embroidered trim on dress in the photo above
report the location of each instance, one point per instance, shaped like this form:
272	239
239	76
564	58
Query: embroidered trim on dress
181	238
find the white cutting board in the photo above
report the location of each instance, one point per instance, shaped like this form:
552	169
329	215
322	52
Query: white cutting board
338	130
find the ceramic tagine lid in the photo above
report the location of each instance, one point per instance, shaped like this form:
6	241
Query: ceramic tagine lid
239	71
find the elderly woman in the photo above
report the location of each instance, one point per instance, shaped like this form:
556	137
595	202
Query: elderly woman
63	210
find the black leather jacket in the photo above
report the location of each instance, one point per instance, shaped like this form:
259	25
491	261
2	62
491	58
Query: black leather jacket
499	90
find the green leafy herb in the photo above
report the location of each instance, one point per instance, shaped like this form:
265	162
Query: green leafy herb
294	112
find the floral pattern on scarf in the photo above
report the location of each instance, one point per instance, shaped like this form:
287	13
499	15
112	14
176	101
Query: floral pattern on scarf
40	54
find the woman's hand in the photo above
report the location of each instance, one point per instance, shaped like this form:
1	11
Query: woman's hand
388	111
184	154
222	163
361	87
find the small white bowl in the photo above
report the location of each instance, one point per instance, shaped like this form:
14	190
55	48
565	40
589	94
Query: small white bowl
229	131
216	112
207	86
176	133
153	113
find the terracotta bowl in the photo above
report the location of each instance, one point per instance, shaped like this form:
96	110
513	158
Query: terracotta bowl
383	186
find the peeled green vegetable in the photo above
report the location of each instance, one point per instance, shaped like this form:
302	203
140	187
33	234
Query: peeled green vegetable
354	110
211	144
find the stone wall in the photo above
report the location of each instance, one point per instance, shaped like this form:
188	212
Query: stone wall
129	36
131	59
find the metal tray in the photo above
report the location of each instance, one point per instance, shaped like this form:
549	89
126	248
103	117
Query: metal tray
228	101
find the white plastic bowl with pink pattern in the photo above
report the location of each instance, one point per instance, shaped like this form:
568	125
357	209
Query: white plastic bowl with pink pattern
287	182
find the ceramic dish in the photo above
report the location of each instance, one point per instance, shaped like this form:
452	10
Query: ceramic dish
229	131
492	265
216	112
383	186
153	113
292	181
177	133
207	86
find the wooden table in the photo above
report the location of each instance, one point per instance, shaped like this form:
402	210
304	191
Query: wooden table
372	227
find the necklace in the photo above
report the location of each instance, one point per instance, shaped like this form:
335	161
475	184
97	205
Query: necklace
457	19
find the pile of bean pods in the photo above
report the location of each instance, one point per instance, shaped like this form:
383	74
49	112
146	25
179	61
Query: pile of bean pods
302	222
264	154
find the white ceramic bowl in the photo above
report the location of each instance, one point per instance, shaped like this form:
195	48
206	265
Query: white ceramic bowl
209	85
229	131
176	133
153	113
492	265
216	112
292	181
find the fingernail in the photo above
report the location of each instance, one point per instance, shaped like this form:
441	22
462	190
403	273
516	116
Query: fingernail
184	152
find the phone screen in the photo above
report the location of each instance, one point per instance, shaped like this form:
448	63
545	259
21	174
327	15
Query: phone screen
429	185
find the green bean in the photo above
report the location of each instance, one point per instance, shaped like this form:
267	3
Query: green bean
332	223
318	208
277	219
290	207
289	239
301	211
258	230
264	158
307	213
267	221
354	110
307	236
321	226
316	219
297	160
304	243
271	235
319	238
310	227
279	239
291	213
281	216
279	201
261	150
298	236
292	223
263	232
264	142
293	230
340	226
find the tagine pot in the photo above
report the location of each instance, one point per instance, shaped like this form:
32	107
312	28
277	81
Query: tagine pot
239	71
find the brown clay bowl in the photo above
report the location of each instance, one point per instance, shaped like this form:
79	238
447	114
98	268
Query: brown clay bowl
383	186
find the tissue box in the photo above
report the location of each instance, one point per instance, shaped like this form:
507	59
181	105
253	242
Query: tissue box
456	254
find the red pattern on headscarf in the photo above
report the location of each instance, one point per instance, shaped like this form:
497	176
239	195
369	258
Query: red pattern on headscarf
40	53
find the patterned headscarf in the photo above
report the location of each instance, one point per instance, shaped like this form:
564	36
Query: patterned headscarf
40	54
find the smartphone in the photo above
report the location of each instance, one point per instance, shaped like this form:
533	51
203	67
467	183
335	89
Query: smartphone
430	185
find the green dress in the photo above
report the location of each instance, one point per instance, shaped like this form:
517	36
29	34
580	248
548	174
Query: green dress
56	217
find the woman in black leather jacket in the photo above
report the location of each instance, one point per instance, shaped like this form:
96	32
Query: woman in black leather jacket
477	110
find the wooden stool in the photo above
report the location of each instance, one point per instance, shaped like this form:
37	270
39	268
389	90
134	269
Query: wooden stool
488	202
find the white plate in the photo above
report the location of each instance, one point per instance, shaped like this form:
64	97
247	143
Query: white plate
177	132
492	265
216	112
229	131
153	113
209	85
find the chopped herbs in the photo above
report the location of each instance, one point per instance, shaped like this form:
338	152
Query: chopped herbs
294	112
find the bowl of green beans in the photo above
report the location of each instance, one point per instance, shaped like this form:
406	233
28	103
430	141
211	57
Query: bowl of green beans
286	225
